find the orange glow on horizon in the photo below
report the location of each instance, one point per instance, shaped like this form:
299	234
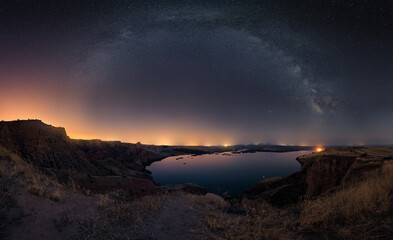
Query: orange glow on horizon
320	149
55	106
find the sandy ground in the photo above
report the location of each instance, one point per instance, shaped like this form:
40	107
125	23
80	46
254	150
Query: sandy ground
41	218
37	217
177	220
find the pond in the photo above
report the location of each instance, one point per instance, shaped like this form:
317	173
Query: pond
225	173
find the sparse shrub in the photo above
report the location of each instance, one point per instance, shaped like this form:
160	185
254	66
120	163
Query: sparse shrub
150	203
56	195
121	211
267	224
36	187
105	202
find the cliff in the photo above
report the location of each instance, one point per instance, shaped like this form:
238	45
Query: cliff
320	173
91	164
45	146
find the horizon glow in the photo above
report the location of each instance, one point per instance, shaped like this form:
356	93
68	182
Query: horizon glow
201	73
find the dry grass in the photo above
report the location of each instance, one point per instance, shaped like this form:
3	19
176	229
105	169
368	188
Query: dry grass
362	210
119	219
131	211
35	186
261	221
56	195
119	211
151	203
244	227
379	150
22	174
204	202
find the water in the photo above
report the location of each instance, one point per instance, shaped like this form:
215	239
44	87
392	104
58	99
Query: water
225	172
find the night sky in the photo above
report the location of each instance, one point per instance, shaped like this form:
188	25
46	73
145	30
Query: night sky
201	72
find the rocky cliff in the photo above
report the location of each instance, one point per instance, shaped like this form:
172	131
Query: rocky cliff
92	164
49	147
320	173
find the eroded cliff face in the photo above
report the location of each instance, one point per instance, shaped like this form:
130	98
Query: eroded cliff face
320	173
91	164
44	146
48	147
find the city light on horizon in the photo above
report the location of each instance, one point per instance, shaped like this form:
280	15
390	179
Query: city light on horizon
174	77
319	149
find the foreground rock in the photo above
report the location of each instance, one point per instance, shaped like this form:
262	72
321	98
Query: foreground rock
320	173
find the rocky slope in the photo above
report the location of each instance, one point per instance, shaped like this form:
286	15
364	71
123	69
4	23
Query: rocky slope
320	173
90	164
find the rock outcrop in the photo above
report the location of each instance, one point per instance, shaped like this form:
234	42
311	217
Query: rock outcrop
90	164
320	173
49	148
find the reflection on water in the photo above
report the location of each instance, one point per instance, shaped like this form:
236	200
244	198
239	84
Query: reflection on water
225	172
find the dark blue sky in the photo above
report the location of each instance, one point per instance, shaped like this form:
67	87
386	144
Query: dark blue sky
201	72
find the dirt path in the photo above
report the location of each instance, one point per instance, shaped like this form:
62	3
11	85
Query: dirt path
41	218
177	220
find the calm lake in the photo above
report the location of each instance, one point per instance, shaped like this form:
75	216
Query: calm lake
225	172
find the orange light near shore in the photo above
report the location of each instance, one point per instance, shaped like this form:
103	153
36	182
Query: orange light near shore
319	149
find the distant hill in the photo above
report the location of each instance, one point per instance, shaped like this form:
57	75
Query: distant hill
92	164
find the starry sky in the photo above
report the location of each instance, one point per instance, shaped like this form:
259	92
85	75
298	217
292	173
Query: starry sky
201	72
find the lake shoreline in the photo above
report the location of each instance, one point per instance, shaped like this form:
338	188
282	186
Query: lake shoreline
255	166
